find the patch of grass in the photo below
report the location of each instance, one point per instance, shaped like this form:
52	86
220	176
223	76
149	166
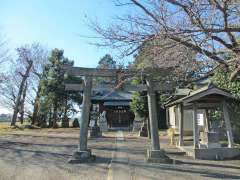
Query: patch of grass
4	126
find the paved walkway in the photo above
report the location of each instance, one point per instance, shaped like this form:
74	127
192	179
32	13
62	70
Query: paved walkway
119	168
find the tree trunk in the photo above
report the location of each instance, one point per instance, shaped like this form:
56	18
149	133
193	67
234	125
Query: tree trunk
50	119
35	117
54	120
65	120
20	91
23	102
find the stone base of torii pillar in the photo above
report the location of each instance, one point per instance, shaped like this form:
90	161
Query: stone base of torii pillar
158	156
82	157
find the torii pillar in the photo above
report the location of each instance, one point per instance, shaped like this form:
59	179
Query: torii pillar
154	154
83	154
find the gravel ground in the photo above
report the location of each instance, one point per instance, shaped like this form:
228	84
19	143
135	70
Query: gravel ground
43	155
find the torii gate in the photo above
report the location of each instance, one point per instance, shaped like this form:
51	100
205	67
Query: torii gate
154	154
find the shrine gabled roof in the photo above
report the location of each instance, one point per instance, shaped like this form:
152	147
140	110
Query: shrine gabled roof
116	103
201	93
112	95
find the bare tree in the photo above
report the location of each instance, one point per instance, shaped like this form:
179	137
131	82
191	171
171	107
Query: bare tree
22	79
8	89
157	53
4	52
4	56
211	28
22	103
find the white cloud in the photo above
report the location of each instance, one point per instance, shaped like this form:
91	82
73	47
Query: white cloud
4	110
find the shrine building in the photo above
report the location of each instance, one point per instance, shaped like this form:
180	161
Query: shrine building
116	104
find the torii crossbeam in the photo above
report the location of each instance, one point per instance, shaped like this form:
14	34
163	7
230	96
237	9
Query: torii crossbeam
84	154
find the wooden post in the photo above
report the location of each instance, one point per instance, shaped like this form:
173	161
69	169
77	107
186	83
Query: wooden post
195	127
85	113
228	125
152	108
181	123
167	117
206	120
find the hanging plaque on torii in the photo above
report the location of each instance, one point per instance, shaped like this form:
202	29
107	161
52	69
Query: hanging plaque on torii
83	154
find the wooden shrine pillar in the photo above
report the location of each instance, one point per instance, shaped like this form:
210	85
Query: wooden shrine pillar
206	120
181	123
152	108
167	117
195	127
228	125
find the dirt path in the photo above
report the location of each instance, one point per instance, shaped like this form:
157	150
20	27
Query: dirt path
43	155
129	163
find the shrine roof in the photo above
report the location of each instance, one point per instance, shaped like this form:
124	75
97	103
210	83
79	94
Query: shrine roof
112	95
202	93
117	103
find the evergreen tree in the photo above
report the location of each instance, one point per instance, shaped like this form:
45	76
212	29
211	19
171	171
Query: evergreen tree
222	80
55	102
107	62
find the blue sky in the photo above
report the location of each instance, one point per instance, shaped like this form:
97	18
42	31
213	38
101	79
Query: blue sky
57	23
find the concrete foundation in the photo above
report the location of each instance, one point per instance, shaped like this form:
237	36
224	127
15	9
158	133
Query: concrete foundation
82	157
211	153
157	156
216	153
